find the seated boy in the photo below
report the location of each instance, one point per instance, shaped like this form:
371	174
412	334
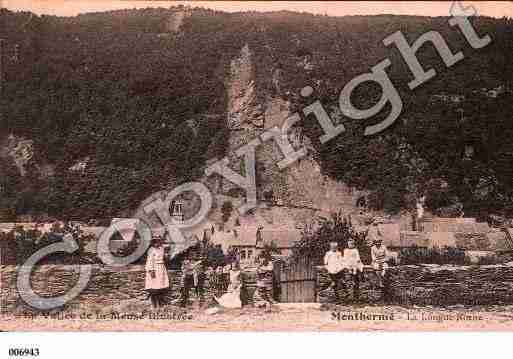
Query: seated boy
352	258
334	263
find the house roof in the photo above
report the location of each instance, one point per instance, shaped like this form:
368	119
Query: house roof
498	241
456	225
414	239
42	227
391	233
441	239
283	237
234	239
94	231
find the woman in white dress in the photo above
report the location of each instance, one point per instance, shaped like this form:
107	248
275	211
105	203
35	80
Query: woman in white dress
157	279
231	299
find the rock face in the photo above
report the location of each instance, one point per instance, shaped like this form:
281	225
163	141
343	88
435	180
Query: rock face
19	150
301	187
243	112
248	116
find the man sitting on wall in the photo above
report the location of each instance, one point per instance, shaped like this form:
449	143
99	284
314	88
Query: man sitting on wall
334	262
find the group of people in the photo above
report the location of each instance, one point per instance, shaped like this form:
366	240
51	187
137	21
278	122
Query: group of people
338	263
224	280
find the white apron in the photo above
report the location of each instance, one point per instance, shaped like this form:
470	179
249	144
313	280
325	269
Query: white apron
231	299
155	262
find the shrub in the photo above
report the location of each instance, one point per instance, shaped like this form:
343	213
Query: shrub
420	255
226	210
130	248
315	244
268	250
28	242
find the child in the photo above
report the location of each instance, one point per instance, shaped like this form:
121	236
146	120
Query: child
334	263
379	254
157	279
352	259
187	279
265	277
231	299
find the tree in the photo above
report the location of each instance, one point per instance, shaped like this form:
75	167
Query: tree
226	210
315	244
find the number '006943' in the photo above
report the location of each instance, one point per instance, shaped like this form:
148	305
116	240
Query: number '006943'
23	352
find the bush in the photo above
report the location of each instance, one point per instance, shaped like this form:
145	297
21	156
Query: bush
27	242
445	255
314	245
130	248
226	210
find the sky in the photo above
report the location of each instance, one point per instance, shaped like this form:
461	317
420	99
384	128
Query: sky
425	8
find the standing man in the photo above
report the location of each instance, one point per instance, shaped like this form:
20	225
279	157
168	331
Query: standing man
334	262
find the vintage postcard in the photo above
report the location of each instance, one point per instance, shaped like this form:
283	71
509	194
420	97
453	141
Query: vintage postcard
256	166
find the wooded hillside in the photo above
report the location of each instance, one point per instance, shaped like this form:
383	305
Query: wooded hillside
144	101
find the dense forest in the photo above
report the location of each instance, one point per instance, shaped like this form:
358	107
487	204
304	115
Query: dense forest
121	89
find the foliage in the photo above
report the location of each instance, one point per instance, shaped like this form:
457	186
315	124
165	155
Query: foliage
314	244
216	257
448	255
268	250
445	255
109	87
130	248
226	210
28	242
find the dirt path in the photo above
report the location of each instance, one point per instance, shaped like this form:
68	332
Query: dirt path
298	318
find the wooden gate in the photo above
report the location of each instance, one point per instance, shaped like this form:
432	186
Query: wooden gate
296	282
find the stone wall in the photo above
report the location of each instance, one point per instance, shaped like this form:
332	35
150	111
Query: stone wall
364	290
451	285
107	288
437	285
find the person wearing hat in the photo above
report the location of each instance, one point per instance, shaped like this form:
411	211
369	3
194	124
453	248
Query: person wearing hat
379	255
373	233
188	282
157	279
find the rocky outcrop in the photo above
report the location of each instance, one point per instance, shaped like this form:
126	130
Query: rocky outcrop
302	184
20	150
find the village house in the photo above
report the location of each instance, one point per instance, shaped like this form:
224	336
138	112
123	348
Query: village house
476	239
250	241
